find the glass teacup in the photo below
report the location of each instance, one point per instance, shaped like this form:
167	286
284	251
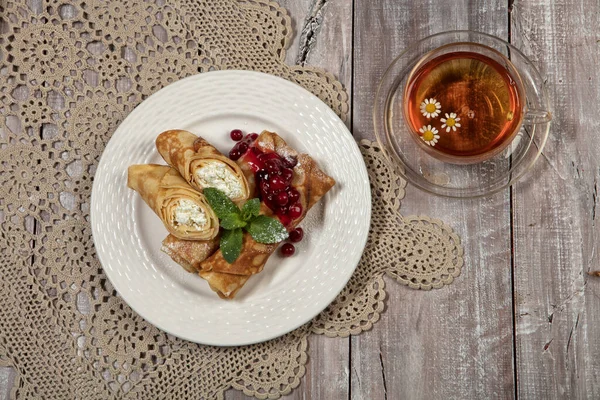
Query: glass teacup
464	113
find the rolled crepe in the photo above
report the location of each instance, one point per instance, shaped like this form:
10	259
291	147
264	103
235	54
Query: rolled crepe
189	253
184	212
310	181
202	165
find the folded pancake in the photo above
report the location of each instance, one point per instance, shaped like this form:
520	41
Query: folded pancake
189	253
251	260
202	165
185	213
310	181
225	285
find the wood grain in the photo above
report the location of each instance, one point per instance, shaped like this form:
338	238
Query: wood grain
7	380
323	38
456	342
555	219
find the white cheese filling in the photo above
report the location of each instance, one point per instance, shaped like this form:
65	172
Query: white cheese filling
189	214
217	175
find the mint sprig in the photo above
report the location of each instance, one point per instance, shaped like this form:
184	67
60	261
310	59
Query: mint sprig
250	209
263	229
220	203
231	244
266	230
232	221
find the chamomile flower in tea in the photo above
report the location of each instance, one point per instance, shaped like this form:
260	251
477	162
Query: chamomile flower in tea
429	135
430	108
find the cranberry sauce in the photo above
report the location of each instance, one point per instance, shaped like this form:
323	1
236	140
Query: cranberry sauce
274	176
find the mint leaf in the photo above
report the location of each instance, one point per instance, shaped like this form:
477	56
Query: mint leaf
232	221
267	230
231	244
220	203
250	209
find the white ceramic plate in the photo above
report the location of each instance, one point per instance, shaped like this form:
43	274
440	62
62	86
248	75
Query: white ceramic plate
289	291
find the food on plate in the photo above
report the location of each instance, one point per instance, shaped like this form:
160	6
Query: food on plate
189	253
277	168
236	135
202	165
184	212
287	250
252	259
225	285
296	235
237	211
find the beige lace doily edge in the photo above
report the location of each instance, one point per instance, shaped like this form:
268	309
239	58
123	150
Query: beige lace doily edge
415	219
381	294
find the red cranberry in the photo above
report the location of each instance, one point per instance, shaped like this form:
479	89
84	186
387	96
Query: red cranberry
273	166
294	195
284	218
296	235
242	147
236	135
264	187
290	162
277	184
295	211
262	175
235	154
283	210
253	136
282	198
288	250
271	202
287	175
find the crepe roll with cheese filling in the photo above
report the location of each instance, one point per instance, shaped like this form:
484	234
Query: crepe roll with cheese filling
202	165
185	212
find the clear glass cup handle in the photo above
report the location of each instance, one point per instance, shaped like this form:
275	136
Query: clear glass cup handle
533	116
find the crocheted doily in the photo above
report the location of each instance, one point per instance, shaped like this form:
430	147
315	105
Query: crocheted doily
69	76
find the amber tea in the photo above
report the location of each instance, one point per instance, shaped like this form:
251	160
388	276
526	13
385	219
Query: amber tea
463	104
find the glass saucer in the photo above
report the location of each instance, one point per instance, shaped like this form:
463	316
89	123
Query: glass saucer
444	178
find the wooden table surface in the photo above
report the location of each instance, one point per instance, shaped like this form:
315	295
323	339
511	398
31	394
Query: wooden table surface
523	319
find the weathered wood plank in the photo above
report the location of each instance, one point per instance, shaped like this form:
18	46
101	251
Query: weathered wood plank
7	380
298	12
328	26
555	227
322	37
456	342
